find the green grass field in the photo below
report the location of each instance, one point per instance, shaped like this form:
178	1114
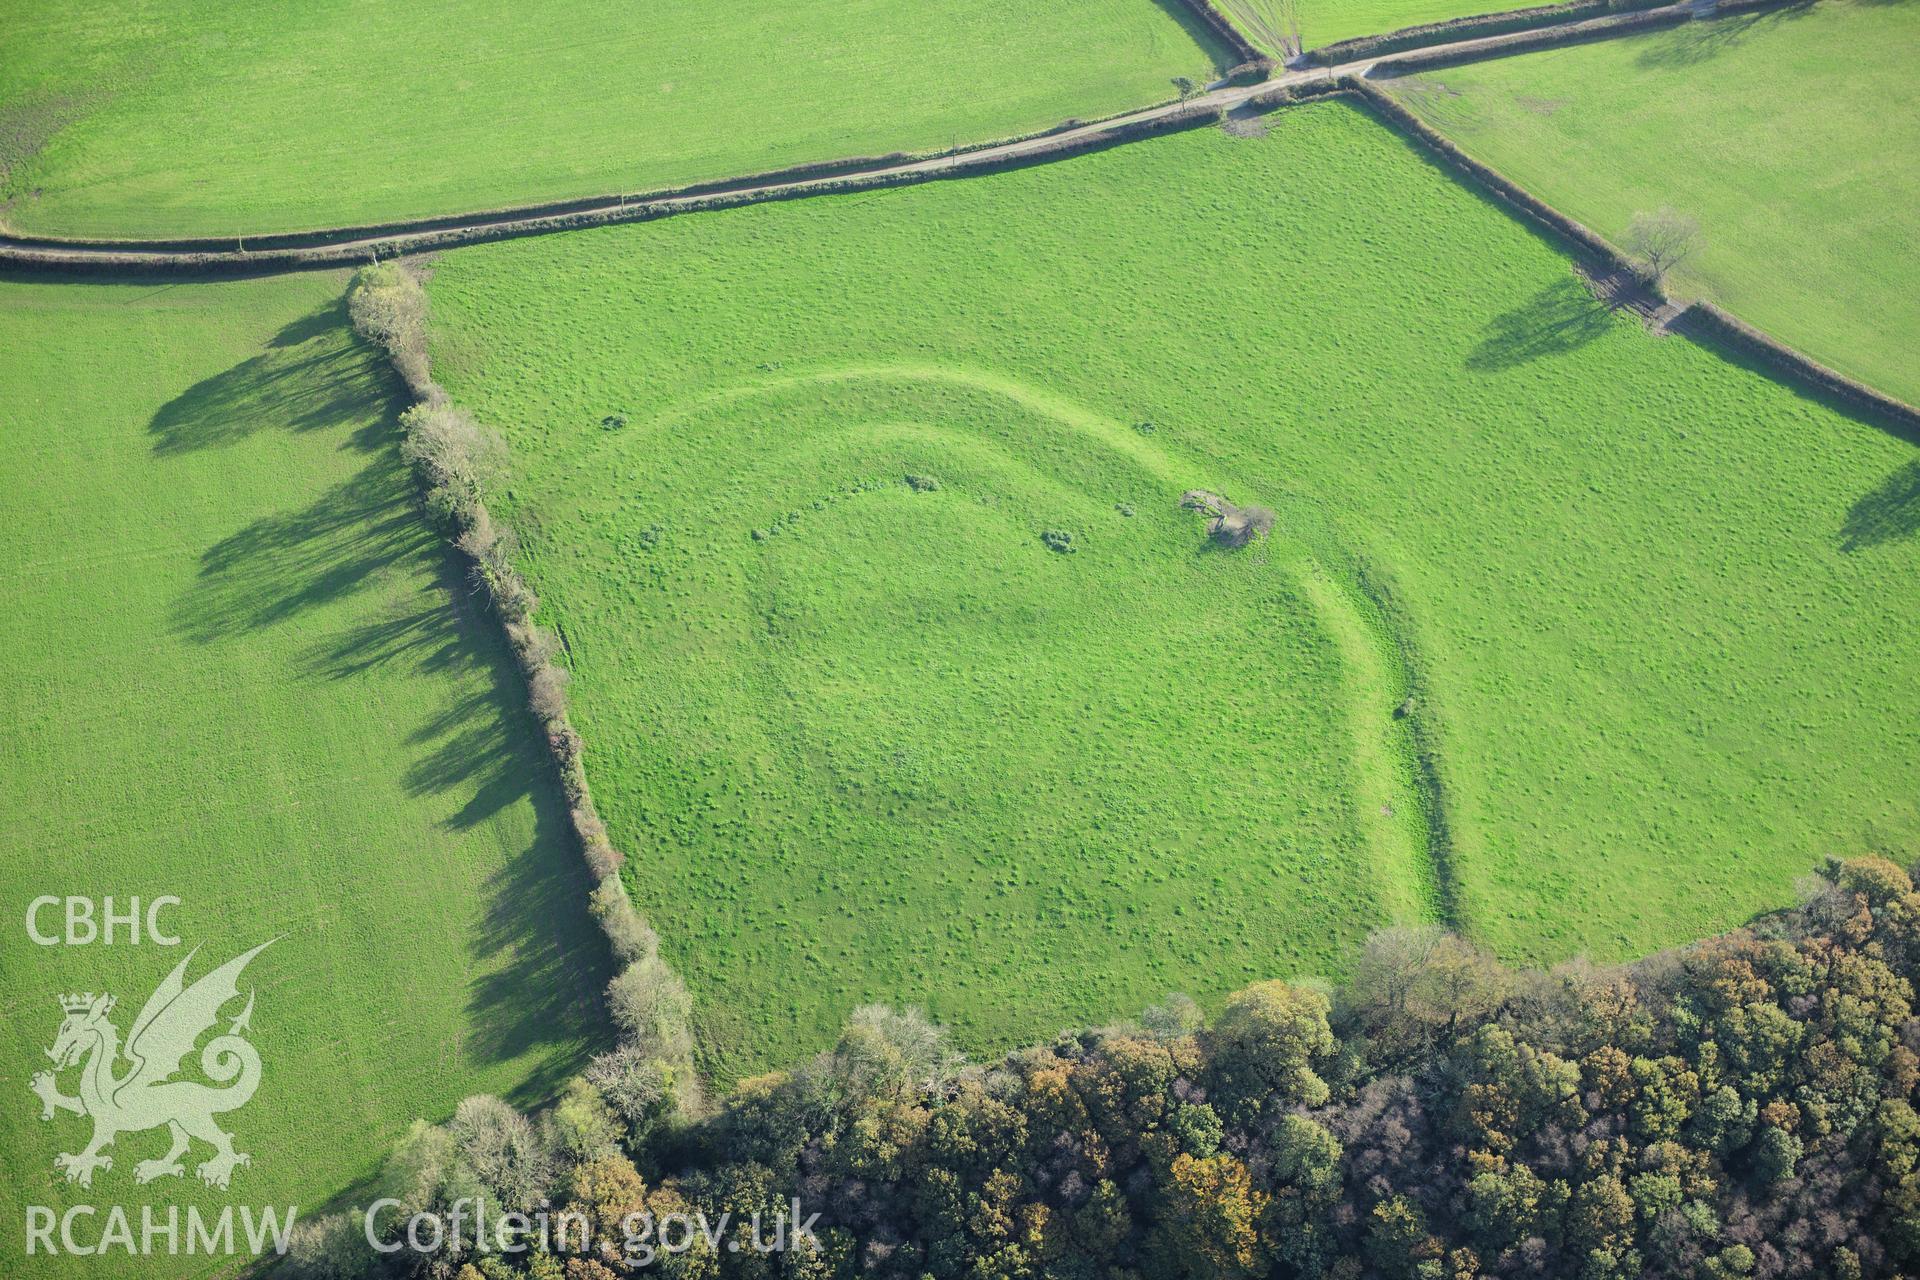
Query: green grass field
120	119
1789	135
1323	22
894	748
235	676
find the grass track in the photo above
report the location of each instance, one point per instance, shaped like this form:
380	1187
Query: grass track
1793	136
126	120
1661	600
234	676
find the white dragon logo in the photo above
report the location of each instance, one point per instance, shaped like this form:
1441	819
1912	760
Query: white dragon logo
145	1096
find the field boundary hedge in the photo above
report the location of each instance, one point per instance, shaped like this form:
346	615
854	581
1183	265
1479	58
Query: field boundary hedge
1709	325
1699	320
1566	33
353	245
1386	108
517	215
29	254
1170	119
455	460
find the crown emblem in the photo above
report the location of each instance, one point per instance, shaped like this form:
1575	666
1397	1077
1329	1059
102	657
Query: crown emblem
82	1003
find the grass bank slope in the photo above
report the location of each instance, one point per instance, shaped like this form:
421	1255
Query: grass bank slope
121	119
893	747
234	677
1792	136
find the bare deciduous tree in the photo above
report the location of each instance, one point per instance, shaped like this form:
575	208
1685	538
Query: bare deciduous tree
387	305
502	1150
1414	985
1178	1015
332	1247
450	447
650	1004
633	938
1660	241
635	1086
547	692
884	1052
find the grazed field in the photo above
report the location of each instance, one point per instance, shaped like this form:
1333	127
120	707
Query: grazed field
872	737
1791	136
234	676
894	748
196	119
1323	22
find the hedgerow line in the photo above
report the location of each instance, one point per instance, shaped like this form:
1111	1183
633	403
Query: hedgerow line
455	460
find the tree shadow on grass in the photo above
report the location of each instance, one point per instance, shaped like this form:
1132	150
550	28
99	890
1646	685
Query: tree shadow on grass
1704	39
1560	318
1201	34
307	378
417	635
1891	513
559	962
481	741
347	569
323	321
470	747
485	745
367	538
544	960
283	565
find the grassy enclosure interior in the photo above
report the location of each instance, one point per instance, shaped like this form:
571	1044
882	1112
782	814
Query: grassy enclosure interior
124	118
867	741
235	677
1788	135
